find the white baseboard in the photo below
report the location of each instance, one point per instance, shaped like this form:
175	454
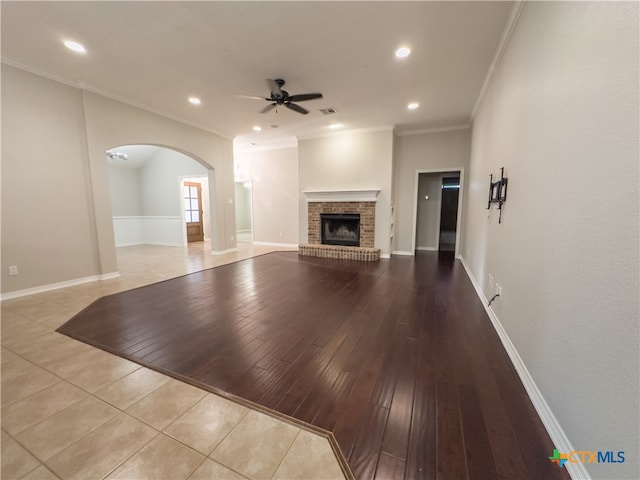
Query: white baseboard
109	276
403	252
551	424
223	252
385	255
55	286
280	245
428	249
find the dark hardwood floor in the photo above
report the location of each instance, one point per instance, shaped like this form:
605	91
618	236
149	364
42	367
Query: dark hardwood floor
397	358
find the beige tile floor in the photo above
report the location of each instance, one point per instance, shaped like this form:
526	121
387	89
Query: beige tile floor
71	411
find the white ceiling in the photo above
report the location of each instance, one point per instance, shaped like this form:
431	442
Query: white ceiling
137	155
157	54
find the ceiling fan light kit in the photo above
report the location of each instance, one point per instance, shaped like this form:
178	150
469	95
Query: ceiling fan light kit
117	155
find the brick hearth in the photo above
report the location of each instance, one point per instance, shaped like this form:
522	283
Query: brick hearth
365	252
338	251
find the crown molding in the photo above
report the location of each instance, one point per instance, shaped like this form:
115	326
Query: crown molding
452	128
346	132
87	88
502	47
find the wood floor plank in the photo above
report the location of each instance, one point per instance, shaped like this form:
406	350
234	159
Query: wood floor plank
395	439
389	467
364	456
397	358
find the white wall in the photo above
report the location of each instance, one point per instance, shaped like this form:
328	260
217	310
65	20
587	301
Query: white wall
149	230
561	115
428	151
243	206
349	161
274	184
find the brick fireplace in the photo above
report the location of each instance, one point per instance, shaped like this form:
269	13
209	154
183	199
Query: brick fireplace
351	203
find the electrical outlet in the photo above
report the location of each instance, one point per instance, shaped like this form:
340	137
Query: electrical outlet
490	282
13	270
499	290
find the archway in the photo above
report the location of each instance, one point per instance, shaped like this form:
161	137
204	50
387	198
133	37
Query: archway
146	190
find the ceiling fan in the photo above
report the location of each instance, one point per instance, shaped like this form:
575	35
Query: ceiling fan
282	97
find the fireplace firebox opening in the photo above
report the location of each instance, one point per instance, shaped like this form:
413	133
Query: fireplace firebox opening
340	229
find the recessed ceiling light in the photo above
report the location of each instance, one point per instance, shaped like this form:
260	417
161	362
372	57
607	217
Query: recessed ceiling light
75	46
257	128
413	106
403	52
195	100
333	126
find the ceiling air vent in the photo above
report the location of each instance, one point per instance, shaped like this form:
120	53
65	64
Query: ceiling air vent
328	111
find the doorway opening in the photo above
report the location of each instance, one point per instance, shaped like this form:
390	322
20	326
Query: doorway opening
437	212
448	214
244	212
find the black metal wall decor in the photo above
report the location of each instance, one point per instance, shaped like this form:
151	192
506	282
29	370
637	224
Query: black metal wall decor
498	192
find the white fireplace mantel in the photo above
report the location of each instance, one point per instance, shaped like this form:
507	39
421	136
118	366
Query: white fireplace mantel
342	196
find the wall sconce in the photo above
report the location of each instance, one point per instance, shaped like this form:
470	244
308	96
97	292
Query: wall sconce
498	192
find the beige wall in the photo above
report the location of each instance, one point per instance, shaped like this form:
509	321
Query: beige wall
48	222
437	151
160	176
124	188
349	161
561	115
55	137
274	193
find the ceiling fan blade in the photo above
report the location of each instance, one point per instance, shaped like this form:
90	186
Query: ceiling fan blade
267	108
296	108
253	97
305	96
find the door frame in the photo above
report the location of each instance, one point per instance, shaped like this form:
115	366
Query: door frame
200	222
183	220
416	181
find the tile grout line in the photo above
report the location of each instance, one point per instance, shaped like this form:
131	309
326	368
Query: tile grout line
14	309
135	452
285	454
61	379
